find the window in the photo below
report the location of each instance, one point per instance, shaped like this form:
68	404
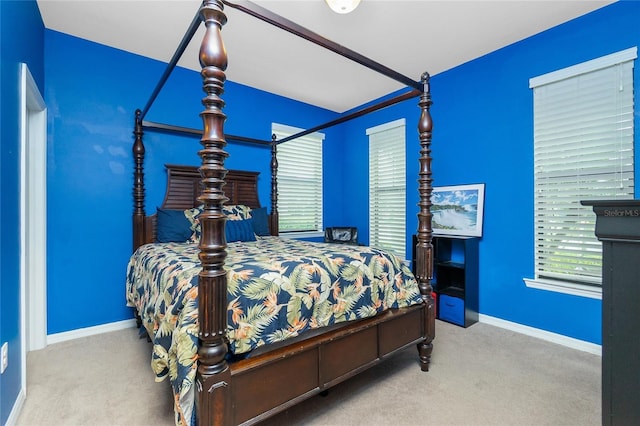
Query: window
387	187
583	150
299	180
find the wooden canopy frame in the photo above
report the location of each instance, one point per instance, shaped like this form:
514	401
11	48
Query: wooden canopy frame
227	393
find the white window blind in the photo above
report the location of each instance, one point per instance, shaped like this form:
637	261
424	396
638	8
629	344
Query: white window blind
387	187
583	150
299	180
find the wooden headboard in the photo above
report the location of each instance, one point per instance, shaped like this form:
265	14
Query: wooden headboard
184	187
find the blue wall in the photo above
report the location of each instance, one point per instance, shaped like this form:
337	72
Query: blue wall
92	94
21	40
483	133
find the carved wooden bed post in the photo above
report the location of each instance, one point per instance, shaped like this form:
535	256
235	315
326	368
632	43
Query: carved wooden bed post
274	219
213	378
138	186
424	247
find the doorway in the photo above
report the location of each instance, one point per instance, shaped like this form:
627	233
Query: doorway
33	218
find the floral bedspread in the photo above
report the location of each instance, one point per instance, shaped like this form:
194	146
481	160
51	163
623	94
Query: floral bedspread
277	288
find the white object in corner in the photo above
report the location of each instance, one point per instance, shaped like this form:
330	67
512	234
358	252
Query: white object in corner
5	357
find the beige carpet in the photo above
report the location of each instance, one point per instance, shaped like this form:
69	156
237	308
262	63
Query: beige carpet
482	375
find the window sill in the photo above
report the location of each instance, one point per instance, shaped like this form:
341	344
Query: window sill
305	234
565	287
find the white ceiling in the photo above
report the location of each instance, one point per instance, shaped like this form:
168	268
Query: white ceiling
408	36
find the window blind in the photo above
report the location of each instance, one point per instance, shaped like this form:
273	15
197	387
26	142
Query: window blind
583	150
299	180
387	187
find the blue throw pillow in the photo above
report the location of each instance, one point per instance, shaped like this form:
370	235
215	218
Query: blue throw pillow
172	226
260	221
239	230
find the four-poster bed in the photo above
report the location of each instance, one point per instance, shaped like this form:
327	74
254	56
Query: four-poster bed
231	387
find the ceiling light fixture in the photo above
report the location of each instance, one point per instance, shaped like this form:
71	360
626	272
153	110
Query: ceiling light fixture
343	6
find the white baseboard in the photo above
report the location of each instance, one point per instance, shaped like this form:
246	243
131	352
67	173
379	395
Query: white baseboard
542	334
17	408
90	331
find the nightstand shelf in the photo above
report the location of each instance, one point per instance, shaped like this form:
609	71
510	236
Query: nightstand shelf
456	279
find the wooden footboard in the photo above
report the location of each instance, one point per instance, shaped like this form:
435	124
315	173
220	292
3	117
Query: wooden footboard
270	383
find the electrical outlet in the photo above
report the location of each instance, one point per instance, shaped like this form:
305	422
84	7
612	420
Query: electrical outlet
5	356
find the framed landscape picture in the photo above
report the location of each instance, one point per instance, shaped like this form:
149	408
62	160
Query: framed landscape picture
458	210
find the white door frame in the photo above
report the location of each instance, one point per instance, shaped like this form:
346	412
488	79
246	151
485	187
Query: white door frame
33	218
